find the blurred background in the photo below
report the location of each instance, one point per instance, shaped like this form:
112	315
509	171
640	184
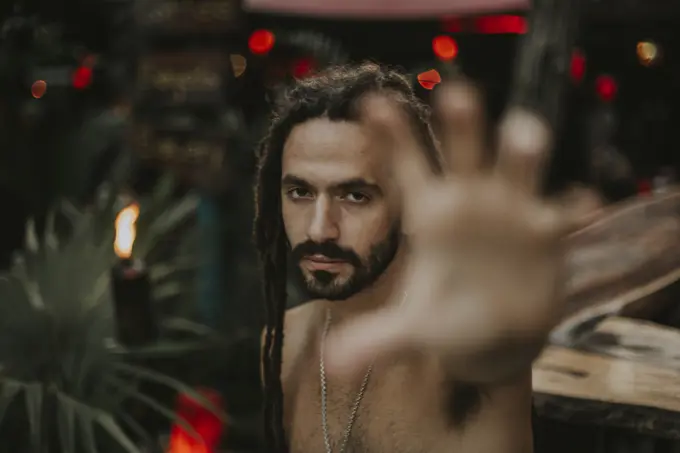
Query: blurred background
84	83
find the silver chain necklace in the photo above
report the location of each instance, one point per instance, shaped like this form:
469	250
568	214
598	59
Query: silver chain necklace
324	396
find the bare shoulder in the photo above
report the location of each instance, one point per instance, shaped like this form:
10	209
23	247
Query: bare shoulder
297	328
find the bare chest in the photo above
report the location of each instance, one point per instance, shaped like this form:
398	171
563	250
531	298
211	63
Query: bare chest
401	411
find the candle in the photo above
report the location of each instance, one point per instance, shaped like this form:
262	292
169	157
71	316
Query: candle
135	323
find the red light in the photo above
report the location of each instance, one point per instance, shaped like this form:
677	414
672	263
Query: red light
445	47
452	25
89	61
578	66
303	67
81	78
204	423
644	187
503	24
429	79
38	89
606	88
261	42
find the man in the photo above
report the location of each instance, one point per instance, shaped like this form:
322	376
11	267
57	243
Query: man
433	281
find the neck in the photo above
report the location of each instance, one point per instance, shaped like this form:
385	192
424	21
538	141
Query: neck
378	295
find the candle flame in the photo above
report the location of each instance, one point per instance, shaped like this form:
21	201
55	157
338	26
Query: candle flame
126	231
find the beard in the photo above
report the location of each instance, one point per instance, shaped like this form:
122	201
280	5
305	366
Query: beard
365	272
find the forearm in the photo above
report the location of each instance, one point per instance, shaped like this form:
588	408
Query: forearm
499	364
495	348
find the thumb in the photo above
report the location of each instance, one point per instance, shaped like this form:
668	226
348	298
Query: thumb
353	347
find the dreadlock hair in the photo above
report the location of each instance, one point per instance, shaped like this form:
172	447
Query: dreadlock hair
335	94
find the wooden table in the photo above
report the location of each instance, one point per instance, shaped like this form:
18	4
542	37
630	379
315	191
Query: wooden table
618	389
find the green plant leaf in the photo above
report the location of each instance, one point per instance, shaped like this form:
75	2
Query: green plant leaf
174	384
51	238
66	420
10	390
109	424
182	325
163	190
89	441
164	223
163	271
34	406
135	427
167	291
175	215
160	409
28	282
167	348
31	242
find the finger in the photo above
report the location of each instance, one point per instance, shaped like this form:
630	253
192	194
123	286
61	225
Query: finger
523	149
352	348
395	130
459	109
574	210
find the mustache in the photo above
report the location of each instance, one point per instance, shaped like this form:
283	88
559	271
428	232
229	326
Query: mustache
327	249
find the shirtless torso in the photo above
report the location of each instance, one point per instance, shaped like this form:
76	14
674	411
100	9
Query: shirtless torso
405	407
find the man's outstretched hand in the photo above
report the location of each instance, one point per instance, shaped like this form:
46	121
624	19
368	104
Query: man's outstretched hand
484	278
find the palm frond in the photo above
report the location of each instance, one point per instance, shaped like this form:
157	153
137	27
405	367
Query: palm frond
34	408
172	383
66	420
9	391
149	402
57	320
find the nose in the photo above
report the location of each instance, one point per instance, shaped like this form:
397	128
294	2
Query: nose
323	226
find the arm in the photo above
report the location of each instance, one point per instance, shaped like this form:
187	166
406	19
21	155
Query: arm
495	348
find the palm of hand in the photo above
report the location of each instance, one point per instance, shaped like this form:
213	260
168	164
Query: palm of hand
485	246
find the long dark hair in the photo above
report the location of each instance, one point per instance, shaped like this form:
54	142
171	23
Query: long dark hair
335	94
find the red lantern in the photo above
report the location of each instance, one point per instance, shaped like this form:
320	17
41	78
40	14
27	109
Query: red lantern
206	424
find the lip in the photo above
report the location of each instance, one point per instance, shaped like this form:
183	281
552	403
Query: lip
322	259
322	263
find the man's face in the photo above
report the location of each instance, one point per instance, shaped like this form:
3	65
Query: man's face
338	207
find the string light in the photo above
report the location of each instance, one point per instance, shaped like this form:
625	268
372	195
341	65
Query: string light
261	42
606	88
445	47
577	68
38	89
429	79
82	78
647	52
238	64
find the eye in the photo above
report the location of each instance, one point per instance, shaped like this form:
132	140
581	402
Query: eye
357	197
299	193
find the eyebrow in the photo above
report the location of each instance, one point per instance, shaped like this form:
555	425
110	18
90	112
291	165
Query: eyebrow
350	185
